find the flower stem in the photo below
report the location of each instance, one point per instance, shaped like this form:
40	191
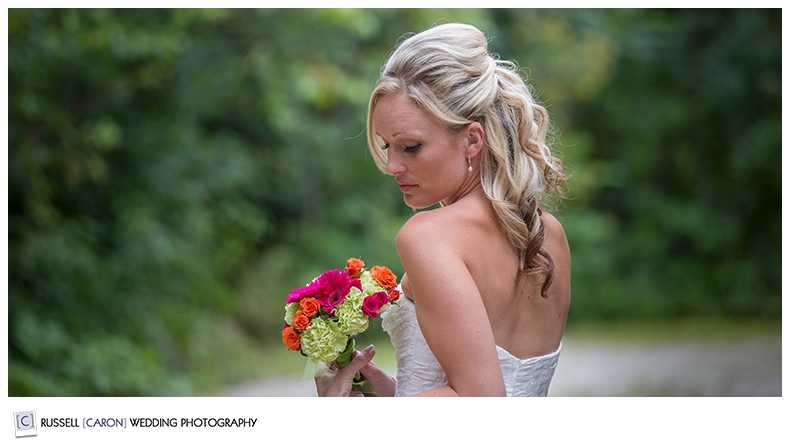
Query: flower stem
359	383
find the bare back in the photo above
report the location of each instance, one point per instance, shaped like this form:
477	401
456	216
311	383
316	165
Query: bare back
523	322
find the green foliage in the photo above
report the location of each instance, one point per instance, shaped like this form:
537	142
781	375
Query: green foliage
174	173
688	135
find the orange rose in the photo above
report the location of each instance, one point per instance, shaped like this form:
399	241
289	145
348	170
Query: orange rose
291	339
310	306
384	276
354	266
301	321
393	295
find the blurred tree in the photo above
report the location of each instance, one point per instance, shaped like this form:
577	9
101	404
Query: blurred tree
686	140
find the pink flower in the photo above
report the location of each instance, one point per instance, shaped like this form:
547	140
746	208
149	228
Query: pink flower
311	290
373	303
335	285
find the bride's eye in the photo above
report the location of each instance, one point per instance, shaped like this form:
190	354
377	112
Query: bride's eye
412	149
385	146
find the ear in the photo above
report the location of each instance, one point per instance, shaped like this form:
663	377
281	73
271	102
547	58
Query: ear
475	139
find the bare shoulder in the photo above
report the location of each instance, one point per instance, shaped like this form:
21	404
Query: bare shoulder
425	227
552	224
556	241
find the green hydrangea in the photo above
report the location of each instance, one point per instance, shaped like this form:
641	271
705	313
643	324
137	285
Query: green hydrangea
351	320
369	285
290	310
323	340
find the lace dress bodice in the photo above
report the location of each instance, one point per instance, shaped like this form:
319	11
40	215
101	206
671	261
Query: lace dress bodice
418	369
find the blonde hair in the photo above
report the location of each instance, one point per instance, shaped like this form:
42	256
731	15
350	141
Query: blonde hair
448	71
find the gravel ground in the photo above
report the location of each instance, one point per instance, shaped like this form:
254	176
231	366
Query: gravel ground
749	367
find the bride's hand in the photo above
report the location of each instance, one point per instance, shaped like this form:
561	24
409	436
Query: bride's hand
337	382
379	380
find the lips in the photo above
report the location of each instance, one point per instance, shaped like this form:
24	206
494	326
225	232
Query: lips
405	187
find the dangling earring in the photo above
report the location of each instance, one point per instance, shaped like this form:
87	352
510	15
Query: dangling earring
469	159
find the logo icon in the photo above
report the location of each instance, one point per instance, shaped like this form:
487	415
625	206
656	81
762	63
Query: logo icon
25	423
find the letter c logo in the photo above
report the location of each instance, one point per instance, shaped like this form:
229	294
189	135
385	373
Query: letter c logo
22	420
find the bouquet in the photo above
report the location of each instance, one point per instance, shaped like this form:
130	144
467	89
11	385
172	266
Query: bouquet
322	318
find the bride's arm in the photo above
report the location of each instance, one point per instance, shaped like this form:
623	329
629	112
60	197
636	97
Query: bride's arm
449	309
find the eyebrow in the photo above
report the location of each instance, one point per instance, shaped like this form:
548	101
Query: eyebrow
406	132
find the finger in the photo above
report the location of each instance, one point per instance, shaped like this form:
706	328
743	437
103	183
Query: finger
369	351
368	355
365	356
361	359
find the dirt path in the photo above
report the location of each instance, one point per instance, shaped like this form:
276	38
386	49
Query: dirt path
750	367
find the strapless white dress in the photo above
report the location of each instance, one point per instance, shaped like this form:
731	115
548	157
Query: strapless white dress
418	369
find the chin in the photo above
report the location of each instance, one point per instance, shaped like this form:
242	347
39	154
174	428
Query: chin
417	204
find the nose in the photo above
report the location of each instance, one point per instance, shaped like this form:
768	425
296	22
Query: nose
393	166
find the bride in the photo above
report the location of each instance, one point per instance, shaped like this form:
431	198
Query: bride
486	289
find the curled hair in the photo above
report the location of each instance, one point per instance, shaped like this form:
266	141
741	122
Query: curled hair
448	71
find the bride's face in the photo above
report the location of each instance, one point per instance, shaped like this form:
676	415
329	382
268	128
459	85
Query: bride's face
425	157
